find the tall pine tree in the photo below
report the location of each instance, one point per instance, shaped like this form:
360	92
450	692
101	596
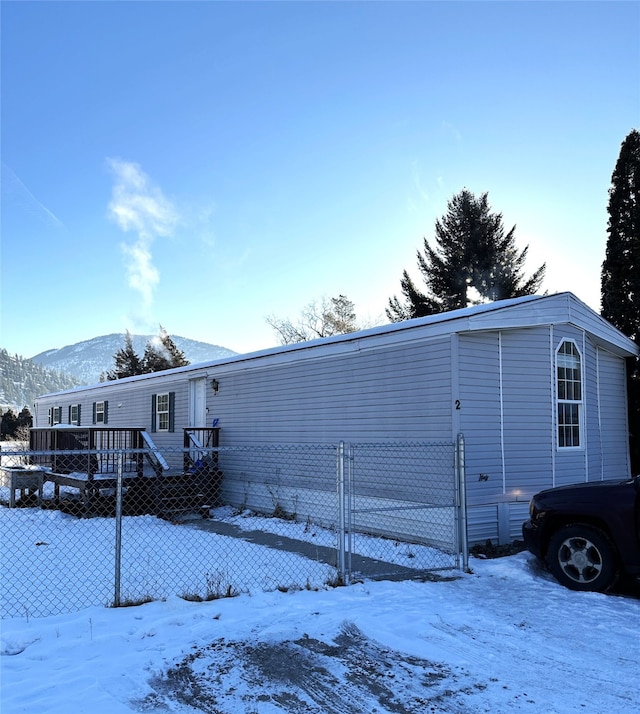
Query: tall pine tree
621	270
159	354
155	358
128	363
474	260
621	267
174	355
162	353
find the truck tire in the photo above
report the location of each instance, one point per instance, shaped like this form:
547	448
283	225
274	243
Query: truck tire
581	557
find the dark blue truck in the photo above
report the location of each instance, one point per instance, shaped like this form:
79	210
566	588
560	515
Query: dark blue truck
588	533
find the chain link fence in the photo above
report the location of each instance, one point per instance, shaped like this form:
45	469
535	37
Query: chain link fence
115	526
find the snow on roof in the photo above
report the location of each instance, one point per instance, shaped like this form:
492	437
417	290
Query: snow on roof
527	311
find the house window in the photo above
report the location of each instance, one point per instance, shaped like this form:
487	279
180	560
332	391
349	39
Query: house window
74	414
100	412
162	412
569	394
55	415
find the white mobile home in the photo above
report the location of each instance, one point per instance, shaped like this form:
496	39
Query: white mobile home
537	386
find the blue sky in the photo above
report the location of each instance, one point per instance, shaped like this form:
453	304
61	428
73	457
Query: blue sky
204	165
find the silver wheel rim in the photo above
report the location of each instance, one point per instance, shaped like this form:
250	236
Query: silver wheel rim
580	560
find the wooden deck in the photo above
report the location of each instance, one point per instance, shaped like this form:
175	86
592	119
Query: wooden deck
84	462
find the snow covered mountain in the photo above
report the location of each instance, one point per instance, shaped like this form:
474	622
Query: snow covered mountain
86	361
22	380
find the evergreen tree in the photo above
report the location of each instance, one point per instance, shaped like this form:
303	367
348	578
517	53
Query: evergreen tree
25	419
159	354
8	424
154	358
128	363
22	380
473	261
621	267
621	270
162	353
174	355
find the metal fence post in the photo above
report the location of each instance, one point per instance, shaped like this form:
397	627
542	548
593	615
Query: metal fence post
341	510
118	543
350	506
461	491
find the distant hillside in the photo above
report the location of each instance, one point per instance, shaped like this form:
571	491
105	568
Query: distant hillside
22	380
86	361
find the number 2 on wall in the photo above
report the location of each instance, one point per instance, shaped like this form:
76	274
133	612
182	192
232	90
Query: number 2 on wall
457	404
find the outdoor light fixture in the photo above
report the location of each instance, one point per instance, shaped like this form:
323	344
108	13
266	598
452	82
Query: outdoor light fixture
214	385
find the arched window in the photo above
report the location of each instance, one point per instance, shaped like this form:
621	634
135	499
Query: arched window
569	394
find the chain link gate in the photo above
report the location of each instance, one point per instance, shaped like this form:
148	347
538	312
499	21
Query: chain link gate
121	526
402	510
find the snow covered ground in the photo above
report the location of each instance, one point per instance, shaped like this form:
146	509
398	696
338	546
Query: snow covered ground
504	638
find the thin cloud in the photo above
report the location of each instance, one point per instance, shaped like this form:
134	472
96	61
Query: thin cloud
450	128
138	205
201	220
417	182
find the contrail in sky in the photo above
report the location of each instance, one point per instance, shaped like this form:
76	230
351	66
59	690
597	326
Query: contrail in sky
13	185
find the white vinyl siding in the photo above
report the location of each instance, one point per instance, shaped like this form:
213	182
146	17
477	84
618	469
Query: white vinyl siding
613	422
403	383
392	393
505	391
479	409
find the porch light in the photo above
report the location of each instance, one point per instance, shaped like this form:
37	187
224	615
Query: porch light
214	385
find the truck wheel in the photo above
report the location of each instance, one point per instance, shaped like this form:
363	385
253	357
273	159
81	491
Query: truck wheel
582	558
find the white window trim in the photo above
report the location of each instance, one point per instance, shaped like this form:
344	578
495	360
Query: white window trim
578	402
100	412
162	413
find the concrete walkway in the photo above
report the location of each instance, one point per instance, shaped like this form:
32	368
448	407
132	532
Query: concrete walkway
361	566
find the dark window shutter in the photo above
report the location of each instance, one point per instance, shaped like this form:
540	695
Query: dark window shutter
106	412
69	419
153	413
78	414
172	411
94	412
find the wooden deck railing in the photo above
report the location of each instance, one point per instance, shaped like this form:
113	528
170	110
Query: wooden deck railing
87	459
88	450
